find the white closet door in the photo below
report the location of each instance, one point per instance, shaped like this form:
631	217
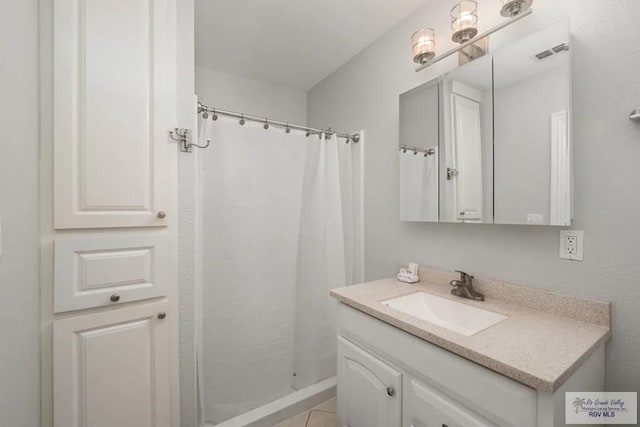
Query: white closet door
112	88
112	368
468	158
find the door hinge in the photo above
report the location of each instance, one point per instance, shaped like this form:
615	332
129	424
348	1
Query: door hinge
451	172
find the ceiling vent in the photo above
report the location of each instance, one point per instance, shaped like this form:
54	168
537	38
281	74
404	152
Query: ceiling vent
553	51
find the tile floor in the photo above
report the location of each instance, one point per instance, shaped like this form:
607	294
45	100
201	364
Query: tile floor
323	415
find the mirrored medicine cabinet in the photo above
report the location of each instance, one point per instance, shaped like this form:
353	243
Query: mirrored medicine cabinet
490	142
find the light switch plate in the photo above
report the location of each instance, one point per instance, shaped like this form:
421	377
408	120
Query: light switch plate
571	245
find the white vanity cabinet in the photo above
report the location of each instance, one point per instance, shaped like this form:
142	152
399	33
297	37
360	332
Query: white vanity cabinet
432	387
369	390
425	406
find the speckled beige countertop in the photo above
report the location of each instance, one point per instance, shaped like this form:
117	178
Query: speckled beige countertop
545	339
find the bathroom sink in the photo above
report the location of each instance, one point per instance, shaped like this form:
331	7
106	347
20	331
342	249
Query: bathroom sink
461	318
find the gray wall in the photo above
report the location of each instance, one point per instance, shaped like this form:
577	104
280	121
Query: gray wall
243	95
19	262
606	59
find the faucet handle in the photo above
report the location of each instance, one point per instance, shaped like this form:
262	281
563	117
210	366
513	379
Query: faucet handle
464	276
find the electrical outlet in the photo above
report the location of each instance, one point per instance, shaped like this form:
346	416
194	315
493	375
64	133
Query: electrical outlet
571	243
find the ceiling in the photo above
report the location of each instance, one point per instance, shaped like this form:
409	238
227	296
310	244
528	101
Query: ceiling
292	43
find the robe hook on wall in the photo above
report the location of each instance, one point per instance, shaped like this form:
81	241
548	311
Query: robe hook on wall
183	137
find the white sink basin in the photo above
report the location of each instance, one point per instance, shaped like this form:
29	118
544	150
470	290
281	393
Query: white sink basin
461	318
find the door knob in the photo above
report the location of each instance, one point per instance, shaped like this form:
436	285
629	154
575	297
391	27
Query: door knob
162	214
115	298
391	391
162	315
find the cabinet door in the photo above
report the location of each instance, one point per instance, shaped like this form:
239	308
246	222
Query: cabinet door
424	406
369	390
112	368
112	95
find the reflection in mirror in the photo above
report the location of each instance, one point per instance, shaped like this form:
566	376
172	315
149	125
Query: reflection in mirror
418	154
532	132
466	160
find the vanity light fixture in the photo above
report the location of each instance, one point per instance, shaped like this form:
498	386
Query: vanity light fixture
464	21
511	8
423	45
464	25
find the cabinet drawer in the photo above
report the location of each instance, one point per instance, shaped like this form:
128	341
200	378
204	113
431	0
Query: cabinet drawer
424	406
105	270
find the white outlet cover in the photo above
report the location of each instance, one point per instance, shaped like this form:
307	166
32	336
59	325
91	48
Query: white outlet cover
566	251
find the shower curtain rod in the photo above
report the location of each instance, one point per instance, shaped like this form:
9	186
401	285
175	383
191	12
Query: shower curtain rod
203	109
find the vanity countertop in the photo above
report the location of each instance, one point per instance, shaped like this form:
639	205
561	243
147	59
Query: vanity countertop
545	339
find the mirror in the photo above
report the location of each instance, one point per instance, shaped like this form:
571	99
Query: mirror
466	143
532	103
490	142
418	154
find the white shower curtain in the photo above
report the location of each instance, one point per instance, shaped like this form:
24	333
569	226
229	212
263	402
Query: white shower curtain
277	235
325	256
418	179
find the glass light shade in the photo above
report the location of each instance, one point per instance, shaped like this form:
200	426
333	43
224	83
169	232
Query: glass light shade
464	21
511	8
423	45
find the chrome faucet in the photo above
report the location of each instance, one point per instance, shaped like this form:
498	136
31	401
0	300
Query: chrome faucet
464	287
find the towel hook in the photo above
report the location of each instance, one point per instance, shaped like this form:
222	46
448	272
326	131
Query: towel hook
191	144
183	137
